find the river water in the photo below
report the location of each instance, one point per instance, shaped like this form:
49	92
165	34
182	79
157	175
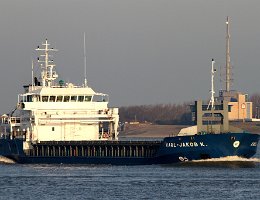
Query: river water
226	178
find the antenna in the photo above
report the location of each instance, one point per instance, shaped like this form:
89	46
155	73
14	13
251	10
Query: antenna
228	74
32	75
85	62
212	99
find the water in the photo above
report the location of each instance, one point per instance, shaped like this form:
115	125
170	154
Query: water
228	178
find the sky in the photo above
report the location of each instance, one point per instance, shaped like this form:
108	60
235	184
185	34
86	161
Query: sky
138	51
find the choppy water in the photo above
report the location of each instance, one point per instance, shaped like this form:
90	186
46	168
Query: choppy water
227	178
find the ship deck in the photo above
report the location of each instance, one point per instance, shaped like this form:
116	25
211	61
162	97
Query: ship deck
95	149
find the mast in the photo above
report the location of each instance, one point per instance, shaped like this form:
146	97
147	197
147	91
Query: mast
48	75
228	78
212	91
32	75
85	62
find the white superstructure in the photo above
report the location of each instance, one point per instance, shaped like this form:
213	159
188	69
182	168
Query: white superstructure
58	111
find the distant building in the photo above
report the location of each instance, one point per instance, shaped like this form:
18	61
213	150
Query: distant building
210	120
241	108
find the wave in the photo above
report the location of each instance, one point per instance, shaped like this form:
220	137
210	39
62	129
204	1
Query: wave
6	160
230	159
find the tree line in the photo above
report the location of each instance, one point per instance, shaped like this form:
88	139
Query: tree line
158	114
170	113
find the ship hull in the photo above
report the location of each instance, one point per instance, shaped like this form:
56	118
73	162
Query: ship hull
176	149
170	150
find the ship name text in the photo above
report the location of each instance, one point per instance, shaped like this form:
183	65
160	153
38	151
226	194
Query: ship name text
185	144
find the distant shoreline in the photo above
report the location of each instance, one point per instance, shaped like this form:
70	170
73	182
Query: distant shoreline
147	130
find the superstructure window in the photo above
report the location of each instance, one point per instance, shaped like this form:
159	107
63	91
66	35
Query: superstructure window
52	129
87	98
73	98
29	98
35	98
45	98
59	98
80	98
66	98
52	99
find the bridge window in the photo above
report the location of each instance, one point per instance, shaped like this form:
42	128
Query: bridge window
45	98
59	98
35	98
52	98
73	98
80	98
87	98
66	99
29	98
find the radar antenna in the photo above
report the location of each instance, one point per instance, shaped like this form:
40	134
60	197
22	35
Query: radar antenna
48	74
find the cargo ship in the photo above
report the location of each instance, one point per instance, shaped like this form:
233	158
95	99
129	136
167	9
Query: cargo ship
58	122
